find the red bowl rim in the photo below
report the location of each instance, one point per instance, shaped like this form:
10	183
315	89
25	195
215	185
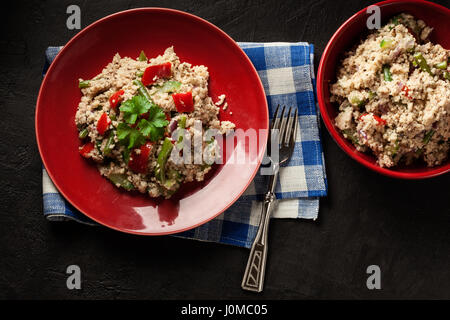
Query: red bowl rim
86	29
327	120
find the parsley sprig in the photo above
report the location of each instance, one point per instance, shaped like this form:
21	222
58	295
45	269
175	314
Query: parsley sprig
134	107
151	128
129	136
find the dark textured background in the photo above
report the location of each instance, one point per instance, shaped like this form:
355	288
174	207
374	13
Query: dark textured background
403	226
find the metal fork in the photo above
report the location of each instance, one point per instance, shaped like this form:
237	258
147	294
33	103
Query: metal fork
285	130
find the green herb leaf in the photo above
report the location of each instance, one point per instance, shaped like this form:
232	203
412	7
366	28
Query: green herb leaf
157	116
153	126
135	139
134	107
126	155
150	131
129	136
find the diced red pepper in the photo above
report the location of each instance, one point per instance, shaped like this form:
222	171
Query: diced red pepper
168	117
183	102
406	90
139	161
103	123
86	149
152	73
380	121
115	99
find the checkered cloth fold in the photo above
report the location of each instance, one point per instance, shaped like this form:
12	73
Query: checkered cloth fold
287	73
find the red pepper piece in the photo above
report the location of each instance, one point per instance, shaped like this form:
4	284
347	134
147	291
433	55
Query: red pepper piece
406	90
183	102
145	115
168	117
152	73
86	149
103	123
115	99
139	161
380	121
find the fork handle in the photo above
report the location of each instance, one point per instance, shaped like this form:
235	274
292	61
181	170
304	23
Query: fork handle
256	265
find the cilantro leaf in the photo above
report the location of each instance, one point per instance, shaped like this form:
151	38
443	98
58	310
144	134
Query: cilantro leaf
153	127
149	130
123	130
146	127
130	118
136	139
134	107
157	116
129	136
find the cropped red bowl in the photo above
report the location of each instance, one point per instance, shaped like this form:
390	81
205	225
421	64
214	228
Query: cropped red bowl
153	30
347	35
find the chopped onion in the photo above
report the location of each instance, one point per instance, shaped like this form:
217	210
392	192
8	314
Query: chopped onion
362	133
173	125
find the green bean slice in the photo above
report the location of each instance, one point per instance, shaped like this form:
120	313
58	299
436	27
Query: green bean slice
84	84
83	133
142	56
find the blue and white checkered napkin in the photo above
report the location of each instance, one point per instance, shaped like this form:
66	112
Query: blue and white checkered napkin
287	73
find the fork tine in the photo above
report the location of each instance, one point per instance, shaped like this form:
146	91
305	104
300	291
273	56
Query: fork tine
277	122
275	115
282	125
288	130
272	126
294	132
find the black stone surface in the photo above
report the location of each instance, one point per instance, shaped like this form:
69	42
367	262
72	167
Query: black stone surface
402	226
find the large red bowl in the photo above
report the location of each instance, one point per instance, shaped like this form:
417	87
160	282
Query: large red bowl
347	35
152	30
